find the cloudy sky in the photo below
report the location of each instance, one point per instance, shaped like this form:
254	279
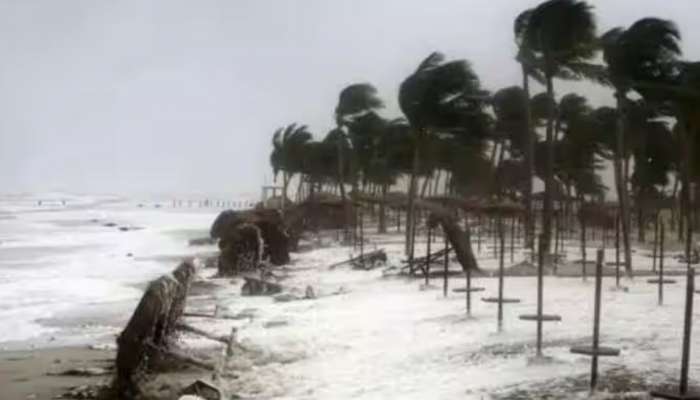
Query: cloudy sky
169	96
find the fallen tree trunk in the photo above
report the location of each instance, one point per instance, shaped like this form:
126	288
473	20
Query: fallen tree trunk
459	239
373	256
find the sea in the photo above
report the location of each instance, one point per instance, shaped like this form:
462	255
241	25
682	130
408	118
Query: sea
73	267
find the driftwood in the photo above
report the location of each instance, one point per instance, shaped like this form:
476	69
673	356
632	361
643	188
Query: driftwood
182	357
371	257
151	327
255	286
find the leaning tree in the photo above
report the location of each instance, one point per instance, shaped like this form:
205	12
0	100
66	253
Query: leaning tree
562	37
435	97
643	54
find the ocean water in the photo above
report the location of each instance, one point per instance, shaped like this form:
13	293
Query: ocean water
69	274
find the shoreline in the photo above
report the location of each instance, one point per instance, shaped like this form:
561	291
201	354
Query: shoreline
30	374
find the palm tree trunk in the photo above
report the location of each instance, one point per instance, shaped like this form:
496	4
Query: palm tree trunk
341	186
686	162
425	186
549	178
382	210
410	217
285	185
530	163
621	182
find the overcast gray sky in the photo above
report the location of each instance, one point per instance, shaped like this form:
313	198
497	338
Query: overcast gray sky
137	97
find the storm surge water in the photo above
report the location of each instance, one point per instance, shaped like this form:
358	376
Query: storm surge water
73	267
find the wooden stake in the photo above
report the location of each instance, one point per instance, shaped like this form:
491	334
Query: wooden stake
596	319
617	250
687	328
427	258
446	264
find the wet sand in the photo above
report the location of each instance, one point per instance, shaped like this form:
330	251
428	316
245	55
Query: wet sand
30	374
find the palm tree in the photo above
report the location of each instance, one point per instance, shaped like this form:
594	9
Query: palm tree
526	59
435	97
354	101
561	35
645	52
287	154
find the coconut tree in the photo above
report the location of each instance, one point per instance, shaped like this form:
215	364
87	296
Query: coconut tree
287	154
643	53
526	59
354	101
562	35
436	97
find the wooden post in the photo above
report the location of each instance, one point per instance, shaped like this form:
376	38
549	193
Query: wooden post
427	258
497	235
500	274
617	250
662	232
446	262
687	329
656	242
362	236
512	239
596	319
583	247
540	282
478	233
556	239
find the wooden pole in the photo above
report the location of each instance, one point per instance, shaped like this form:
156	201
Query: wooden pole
617	250
427	257
662	232
512	240
540	290
496	235
583	247
596	319
478	233
446	262
500	274
687	329
656	242
362	237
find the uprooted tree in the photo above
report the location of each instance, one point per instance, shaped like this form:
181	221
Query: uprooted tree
232	227
150	331
459	238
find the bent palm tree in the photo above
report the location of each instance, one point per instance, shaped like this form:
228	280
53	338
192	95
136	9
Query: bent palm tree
645	52
287	154
561	34
436	96
355	100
